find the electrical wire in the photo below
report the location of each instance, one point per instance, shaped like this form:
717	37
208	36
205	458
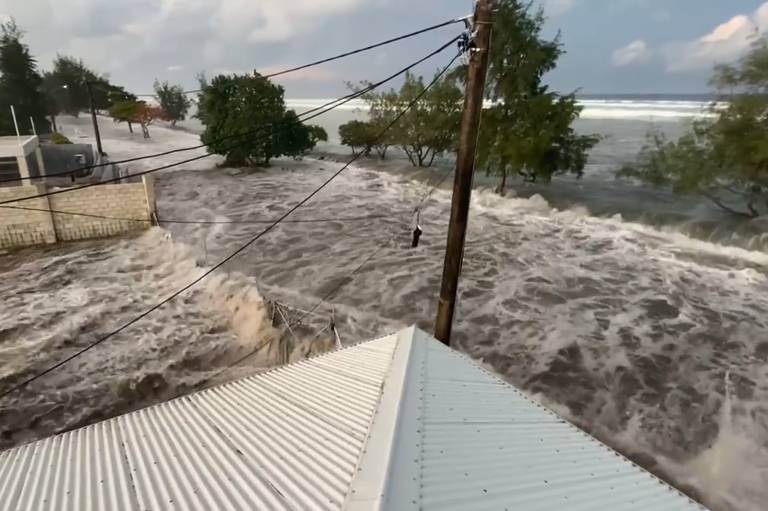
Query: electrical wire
197	222
278	73
316	112
350	276
232	255
359	50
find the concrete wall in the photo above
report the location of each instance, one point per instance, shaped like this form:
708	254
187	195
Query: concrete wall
19	228
60	158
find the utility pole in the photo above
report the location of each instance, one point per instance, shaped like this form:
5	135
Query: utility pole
479	48
99	150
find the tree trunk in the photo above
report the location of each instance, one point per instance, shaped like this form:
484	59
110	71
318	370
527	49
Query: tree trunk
53	123
130	126
722	206
432	158
145	130
501	189
410	155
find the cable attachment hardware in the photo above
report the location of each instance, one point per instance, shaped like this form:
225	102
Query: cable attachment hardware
417	230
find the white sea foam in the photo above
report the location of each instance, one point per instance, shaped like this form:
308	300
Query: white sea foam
625	329
593	109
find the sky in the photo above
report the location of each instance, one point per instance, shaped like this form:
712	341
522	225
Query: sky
613	46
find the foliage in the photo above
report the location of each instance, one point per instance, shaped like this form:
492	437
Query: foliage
66	88
724	159
528	130
429	127
383	108
138	112
358	135
19	83
59	139
317	134
246	120
173	101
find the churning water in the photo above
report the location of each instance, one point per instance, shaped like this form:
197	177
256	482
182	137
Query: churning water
654	341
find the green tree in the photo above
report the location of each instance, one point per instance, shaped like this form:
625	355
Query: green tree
431	126
725	158
232	105
528	129
360	136
19	84
173	101
66	88
383	108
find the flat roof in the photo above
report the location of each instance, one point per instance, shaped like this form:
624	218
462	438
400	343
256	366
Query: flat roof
398	423
11	140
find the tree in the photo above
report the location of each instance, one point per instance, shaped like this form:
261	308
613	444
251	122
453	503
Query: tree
358	135
528	129
19	84
383	108
431	125
173	101
724	159
137	112
66	89
246	120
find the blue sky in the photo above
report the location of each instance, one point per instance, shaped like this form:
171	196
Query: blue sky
613	46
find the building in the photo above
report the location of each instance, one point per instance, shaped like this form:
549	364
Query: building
397	423
20	157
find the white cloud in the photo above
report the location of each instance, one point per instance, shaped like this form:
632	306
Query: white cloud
726	43
557	7
636	52
121	38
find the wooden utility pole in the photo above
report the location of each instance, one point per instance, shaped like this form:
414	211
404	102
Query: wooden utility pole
93	118
465	167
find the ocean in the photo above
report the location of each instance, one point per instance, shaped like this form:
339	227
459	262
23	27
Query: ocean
638	314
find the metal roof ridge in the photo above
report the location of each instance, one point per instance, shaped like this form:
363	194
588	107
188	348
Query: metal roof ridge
367	488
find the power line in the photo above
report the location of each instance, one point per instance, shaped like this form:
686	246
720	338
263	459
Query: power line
278	73
316	112
198	222
350	276
359	50
366	48
233	254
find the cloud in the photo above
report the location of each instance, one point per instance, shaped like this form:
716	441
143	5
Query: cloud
134	41
636	52
726	43
557	7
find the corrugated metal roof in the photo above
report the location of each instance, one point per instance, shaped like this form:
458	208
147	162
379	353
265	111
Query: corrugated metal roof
469	440
398	423
289	438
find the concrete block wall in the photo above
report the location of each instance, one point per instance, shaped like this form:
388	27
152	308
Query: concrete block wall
131	201
112	200
20	227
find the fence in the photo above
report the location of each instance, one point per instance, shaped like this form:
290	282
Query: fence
130	206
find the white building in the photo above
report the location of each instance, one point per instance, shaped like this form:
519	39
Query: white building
20	157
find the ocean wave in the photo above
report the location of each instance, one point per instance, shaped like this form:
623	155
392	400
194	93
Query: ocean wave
593	108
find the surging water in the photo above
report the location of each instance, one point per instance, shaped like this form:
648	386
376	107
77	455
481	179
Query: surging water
625	329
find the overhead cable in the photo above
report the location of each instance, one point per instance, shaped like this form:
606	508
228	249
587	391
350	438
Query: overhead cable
234	254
